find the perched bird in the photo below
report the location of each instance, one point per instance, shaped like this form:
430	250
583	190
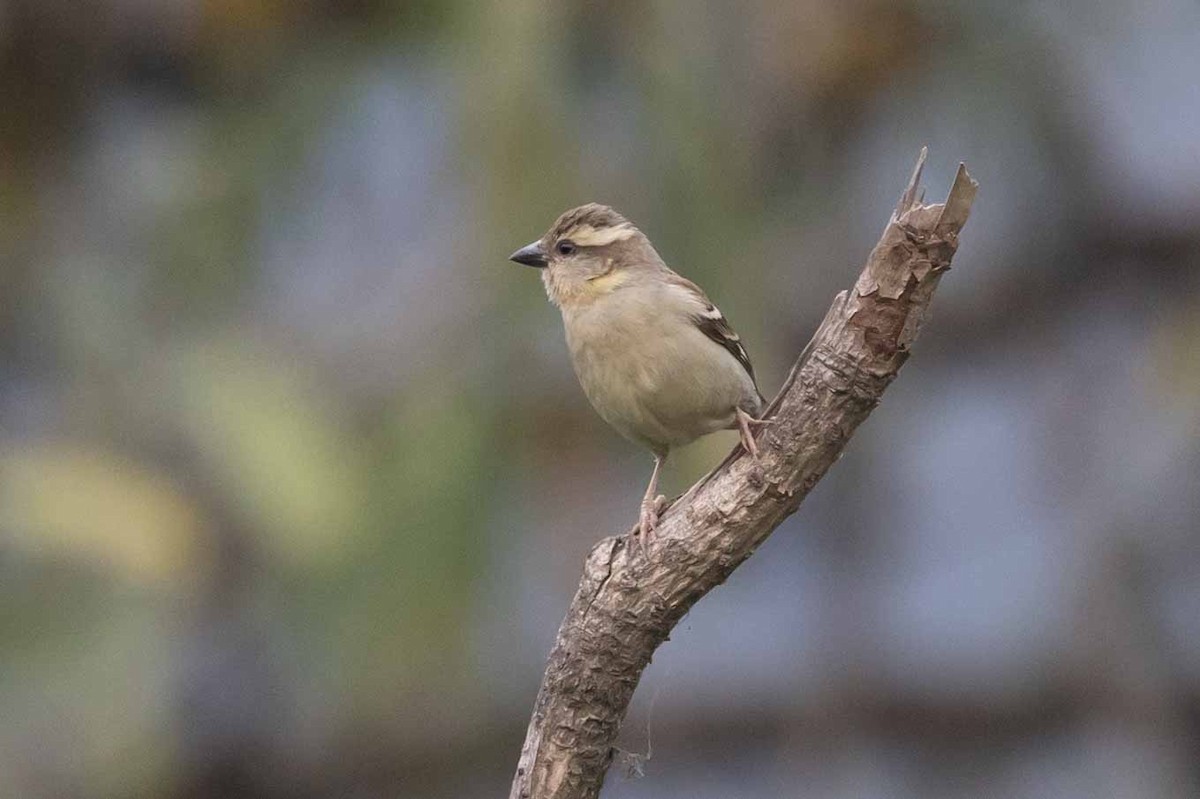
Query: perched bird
656	358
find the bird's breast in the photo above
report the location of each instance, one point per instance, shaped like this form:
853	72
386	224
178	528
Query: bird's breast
657	379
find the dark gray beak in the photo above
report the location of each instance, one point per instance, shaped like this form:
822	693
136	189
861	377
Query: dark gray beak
530	255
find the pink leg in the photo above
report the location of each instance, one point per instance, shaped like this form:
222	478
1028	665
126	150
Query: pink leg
648	515
744	422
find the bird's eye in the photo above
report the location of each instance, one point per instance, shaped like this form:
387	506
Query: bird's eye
565	247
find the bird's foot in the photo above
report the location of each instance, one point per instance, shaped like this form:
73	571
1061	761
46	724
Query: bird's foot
746	423
643	534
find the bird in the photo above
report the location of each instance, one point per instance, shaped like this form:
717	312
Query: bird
654	355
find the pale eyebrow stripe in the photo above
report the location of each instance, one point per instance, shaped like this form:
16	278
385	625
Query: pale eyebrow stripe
588	236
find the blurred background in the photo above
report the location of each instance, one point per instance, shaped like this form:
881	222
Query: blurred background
296	481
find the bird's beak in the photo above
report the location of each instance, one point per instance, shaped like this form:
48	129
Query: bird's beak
530	255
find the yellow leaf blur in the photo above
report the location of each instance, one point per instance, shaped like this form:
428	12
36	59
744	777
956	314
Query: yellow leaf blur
65	501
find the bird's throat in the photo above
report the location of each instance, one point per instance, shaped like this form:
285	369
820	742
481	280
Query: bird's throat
569	291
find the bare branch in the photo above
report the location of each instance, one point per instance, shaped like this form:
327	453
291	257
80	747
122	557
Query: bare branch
627	604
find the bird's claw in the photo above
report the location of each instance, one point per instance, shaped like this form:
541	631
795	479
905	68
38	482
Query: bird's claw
643	534
750	445
745	424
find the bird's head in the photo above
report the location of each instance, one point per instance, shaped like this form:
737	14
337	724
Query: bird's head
588	252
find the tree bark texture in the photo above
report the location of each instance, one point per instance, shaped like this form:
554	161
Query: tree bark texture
628	603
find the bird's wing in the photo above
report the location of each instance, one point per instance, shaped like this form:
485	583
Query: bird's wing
712	323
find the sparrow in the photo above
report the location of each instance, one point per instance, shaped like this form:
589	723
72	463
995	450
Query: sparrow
656	358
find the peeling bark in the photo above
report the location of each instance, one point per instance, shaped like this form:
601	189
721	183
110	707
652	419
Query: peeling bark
627	604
